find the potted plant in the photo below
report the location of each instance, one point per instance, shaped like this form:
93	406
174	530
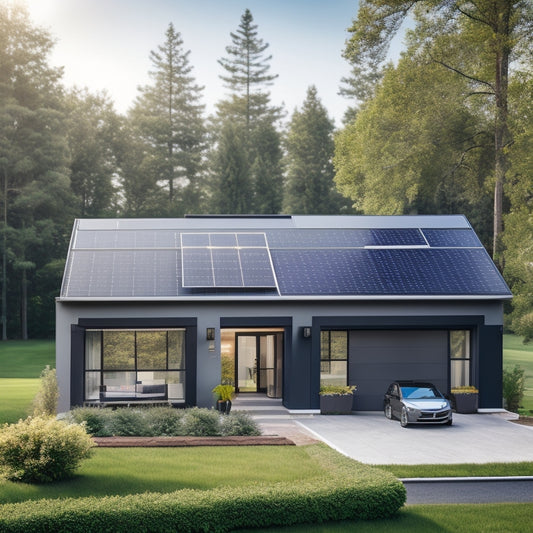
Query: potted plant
336	399
465	399
225	393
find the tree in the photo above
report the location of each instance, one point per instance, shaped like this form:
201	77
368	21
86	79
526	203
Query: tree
498	29
247	73
92	131
35	188
416	147
518	234
248	108
231	188
267	170
169	118
310	187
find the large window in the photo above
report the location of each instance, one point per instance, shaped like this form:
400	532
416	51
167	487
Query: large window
459	358
333	357
129	365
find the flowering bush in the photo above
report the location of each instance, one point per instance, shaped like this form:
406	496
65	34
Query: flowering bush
40	450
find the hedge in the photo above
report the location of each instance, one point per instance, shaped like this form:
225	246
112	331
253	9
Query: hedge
347	491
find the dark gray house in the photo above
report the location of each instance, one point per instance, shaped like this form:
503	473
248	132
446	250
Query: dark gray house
165	309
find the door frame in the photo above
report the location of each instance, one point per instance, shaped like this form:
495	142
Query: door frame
260	387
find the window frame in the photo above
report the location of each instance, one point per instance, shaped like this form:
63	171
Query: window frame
101	369
329	359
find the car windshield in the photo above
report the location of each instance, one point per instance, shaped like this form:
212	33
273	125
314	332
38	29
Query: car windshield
420	393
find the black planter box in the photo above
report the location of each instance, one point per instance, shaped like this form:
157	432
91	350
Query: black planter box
336	404
465	403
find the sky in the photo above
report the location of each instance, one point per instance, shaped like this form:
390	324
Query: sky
105	44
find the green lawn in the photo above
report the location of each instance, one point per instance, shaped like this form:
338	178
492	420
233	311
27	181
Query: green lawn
479	518
21	364
515	352
121	471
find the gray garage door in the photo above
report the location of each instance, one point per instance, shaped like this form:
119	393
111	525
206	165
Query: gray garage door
376	358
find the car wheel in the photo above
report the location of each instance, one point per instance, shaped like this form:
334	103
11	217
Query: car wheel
403	418
450	422
388	411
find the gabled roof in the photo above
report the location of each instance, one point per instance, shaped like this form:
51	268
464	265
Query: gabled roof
279	257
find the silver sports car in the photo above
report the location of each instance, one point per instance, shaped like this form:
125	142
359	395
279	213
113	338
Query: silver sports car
415	402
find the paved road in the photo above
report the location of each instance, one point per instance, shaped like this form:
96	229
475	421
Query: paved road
519	491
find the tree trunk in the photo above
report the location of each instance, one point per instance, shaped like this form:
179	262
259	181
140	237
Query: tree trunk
501	131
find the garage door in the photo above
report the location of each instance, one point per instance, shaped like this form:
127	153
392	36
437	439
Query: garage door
376	358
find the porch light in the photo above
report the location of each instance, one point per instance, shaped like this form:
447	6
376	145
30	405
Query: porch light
306	332
210	334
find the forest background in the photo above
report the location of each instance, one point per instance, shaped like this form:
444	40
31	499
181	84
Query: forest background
445	129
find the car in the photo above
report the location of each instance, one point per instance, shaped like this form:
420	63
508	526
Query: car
417	402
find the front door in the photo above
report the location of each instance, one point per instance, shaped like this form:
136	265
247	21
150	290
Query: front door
258	363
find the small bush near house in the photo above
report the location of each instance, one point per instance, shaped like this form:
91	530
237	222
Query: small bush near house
96	420
45	401
347	491
41	450
128	423
163	422
513	387
201	422
239	423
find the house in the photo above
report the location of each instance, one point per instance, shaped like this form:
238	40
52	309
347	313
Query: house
162	310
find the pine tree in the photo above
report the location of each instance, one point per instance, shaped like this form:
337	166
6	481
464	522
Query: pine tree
247	74
169	117
36	201
231	187
310	188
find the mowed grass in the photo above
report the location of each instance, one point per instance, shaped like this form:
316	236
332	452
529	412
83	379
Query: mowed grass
460	470
515	352
21	364
478	518
121	471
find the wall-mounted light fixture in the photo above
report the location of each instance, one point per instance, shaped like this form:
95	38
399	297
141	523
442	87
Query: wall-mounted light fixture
210	334
306	332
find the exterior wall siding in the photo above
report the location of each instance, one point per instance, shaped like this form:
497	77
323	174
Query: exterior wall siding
301	372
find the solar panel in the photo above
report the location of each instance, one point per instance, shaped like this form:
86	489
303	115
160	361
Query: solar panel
124	273
344	238
452	238
225	260
119	259
125	239
388	271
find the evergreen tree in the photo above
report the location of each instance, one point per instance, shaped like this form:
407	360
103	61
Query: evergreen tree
169	117
310	187
231	188
247	74
248	107
34	185
267	170
92	132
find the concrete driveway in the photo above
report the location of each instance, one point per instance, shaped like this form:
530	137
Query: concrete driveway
371	438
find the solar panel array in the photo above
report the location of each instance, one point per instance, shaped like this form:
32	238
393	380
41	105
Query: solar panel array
226	260
158	262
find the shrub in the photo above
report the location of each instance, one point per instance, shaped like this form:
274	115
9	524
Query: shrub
513	387
348	491
201	422
45	401
239	423
164	421
128	423
41	449
96	420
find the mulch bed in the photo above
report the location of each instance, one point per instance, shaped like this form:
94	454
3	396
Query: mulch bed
524	421
152	442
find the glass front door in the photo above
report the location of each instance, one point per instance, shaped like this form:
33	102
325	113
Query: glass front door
258	363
